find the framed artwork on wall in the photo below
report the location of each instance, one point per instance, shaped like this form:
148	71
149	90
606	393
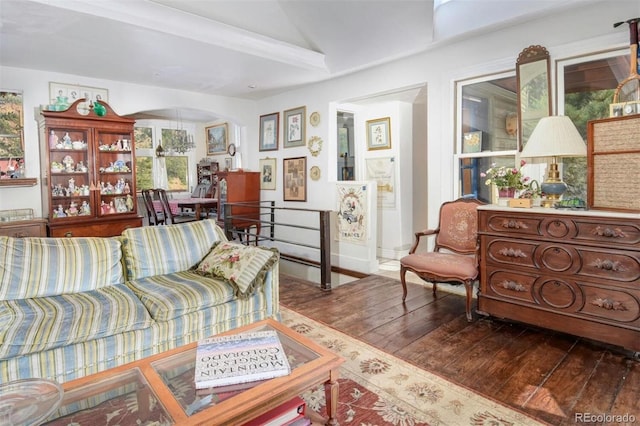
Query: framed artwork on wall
269	132
295	127
217	139
472	142
73	92
379	133
295	179
268	173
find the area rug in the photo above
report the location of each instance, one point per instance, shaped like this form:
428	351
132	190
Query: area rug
377	388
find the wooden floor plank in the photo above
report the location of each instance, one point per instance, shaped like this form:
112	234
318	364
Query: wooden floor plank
602	387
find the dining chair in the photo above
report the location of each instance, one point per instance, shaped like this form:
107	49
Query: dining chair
454	258
170	218
154	216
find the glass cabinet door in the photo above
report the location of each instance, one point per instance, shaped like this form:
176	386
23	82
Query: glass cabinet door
114	169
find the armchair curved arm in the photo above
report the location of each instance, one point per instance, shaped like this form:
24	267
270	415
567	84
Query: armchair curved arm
420	234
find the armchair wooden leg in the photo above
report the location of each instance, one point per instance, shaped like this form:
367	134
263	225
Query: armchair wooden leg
468	286
434	288
403	271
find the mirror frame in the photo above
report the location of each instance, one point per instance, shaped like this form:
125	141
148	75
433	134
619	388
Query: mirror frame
532	63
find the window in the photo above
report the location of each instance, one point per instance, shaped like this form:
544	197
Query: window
171	172
585	92
487	132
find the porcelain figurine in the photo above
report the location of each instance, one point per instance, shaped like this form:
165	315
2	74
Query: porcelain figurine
73	209
85	209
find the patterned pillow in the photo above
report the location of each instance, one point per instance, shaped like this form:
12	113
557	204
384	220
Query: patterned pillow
245	267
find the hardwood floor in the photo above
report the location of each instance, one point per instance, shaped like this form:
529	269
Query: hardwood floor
550	376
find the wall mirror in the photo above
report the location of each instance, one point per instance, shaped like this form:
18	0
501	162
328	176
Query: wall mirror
534	81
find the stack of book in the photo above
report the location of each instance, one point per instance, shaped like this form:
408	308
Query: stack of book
290	413
239	358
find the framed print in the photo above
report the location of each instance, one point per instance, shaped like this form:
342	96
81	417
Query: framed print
472	142
382	170
295	127
295	179
227	164
268	173
379	133
217	139
269	132
62	95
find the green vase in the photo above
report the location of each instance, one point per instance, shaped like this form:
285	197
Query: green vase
99	109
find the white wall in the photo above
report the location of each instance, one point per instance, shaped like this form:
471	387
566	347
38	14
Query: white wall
564	35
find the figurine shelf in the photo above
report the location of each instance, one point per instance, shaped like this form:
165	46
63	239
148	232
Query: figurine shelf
88	172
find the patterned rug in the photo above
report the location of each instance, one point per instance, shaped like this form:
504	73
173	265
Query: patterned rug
378	389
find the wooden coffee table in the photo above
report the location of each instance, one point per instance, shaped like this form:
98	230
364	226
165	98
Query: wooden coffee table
162	385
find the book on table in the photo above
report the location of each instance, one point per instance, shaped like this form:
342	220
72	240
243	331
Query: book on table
240	358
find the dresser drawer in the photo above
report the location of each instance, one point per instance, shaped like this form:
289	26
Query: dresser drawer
608	233
509	251
611	265
605	303
27	228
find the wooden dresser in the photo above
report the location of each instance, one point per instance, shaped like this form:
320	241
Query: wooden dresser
24	228
576	272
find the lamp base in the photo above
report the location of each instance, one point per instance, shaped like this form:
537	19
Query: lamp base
553	187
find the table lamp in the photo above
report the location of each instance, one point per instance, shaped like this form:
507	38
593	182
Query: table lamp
554	136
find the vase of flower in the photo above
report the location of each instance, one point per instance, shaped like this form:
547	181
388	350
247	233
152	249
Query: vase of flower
507	192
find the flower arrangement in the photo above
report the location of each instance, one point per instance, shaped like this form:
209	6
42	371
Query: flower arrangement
506	177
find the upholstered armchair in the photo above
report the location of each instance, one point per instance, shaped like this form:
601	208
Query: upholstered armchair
454	258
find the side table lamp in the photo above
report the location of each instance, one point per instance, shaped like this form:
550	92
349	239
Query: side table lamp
554	136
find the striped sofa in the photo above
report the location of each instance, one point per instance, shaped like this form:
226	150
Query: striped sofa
70	307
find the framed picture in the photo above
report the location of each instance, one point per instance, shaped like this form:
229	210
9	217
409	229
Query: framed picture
295	179
268	173
73	92
295	127
472	142
379	133
217	139
228	164
269	132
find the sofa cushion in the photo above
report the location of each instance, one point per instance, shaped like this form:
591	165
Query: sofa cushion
44	323
39	267
159	250
172	295
243	266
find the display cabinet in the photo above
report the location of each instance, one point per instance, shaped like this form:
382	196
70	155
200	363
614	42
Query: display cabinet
88	171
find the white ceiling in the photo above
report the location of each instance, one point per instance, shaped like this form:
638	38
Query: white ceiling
240	48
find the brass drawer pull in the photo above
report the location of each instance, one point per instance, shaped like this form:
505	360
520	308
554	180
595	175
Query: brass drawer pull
513	224
608	265
608	232
511	252
608	304
512	285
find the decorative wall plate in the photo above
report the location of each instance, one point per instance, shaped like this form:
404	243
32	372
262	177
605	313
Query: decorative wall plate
314	173
315	145
314	118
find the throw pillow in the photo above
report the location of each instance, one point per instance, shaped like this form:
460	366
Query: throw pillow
245	267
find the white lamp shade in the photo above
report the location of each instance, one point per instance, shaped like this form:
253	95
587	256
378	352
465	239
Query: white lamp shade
555	136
